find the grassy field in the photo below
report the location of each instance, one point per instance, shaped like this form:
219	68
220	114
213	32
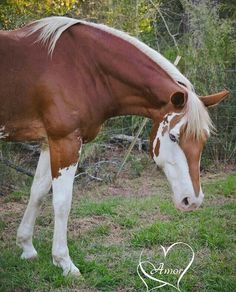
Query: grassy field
111	224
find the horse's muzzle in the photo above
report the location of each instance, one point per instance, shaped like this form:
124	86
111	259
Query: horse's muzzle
190	204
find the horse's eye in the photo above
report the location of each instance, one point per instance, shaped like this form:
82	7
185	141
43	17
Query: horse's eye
172	138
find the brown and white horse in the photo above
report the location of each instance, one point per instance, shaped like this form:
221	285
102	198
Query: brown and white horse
61	78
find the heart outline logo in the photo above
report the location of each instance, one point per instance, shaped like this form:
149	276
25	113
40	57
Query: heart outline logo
161	282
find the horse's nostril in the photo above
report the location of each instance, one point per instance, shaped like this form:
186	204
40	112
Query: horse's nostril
188	204
185	201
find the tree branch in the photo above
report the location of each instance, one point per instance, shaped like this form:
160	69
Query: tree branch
17	168
166	25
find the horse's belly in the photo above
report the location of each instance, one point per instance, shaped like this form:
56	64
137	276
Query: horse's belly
23	131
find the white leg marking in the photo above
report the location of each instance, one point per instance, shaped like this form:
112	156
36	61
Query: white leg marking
62	196
40	188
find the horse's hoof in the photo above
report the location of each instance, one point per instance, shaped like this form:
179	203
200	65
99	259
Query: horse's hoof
29	255
72	271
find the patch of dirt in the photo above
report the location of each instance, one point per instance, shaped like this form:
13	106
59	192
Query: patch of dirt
79	226
210	176
116	234
158	216
11	214
202	253
139	187
11	207
7	189
219	200
148	184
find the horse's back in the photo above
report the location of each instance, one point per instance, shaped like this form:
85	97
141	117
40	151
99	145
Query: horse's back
33	88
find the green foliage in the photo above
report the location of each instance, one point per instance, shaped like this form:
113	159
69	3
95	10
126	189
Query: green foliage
15	13
210	46
137	164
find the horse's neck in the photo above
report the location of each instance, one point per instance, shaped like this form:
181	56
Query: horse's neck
137	85
126	100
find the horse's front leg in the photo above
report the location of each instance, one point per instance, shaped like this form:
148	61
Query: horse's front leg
64	157
40	188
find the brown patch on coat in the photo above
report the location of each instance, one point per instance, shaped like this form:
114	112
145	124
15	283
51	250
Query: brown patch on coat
176	119
56	100
153	136
164	130
157	147
64	152
192	149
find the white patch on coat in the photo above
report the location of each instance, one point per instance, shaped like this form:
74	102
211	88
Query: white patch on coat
81	144
62	197
173	161
3	134
40	188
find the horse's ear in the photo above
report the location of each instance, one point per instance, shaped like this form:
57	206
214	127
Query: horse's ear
178	99
214	99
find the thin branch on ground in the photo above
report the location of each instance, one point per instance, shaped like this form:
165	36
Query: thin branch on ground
16	167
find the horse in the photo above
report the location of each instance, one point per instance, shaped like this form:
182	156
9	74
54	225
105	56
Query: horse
61	78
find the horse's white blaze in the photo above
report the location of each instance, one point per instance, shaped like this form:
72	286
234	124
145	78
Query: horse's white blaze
172	160
40	187
62	196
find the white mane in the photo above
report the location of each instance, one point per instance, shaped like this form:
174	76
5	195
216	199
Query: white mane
51	28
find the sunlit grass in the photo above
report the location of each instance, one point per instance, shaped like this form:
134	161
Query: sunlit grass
110	232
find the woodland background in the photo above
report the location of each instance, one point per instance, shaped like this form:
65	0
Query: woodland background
201	31
112	222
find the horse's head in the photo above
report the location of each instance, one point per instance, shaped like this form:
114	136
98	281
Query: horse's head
177	141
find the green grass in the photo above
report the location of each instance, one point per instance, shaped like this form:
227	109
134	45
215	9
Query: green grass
15	196
225	187
111	231
89	207
2	225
